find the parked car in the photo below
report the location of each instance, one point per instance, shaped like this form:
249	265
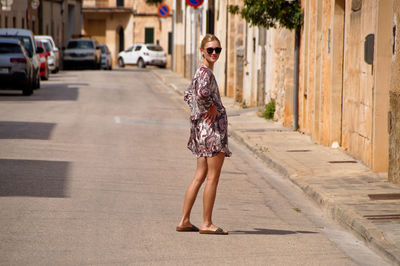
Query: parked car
106	58
26	38
82	52
142	55
16	68
44	62
54	58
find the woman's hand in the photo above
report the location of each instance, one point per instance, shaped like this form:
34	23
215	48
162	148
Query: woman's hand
211	115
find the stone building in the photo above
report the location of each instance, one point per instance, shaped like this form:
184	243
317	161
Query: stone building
43	17
20	14
120	24
394	115
345	58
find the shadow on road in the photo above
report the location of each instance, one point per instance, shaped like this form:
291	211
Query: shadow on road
25	130
261	231
33	178
48	92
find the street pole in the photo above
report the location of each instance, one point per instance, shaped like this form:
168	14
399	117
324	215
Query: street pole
195	41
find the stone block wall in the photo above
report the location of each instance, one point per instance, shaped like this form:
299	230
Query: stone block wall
394	138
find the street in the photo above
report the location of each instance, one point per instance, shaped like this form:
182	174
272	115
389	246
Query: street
93	171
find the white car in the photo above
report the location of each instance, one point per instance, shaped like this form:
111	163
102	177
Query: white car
142	55
54	59
27	39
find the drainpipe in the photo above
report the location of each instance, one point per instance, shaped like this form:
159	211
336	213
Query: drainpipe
296	80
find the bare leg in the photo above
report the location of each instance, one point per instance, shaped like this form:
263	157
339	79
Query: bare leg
193	189
214	170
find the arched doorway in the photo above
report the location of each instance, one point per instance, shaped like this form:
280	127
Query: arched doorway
121	39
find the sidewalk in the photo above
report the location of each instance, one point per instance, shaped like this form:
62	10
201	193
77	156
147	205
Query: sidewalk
348	190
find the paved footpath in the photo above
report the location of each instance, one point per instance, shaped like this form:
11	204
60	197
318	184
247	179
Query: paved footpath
345	188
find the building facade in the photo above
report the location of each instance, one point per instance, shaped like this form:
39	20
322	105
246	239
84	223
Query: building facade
121	23
43	18
345	56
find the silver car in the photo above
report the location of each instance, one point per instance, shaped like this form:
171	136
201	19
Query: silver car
142	55
16	68
106	58
82	52
26	38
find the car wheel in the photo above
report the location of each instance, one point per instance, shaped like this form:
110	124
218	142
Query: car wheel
121	62
141	63
37	83
27	91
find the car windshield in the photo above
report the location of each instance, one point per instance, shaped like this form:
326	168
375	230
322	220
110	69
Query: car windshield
80	45
103	49
47	46
10	48
25	40
156	48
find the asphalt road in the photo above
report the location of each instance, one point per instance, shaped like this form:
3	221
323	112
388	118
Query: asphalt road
93	171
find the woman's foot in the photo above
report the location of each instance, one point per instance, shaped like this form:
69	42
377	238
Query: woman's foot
186	227
213	230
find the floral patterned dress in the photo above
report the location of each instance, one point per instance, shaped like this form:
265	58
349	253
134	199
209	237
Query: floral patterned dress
206	140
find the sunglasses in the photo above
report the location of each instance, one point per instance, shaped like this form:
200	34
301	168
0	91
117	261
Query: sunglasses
211	50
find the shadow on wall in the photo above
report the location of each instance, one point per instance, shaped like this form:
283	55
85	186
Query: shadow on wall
33	178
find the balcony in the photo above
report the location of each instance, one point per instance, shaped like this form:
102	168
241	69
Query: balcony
106	6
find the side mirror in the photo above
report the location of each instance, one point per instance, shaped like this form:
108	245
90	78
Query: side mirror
39	50
97	47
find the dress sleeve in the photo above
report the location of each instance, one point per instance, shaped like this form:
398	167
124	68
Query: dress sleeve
204	92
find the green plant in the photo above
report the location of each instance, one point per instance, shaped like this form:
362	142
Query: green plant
154	2
269	13
243	104
269	110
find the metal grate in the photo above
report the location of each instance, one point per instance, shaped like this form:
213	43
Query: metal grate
388	196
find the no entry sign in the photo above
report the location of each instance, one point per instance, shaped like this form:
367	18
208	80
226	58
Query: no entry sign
163	11
194	3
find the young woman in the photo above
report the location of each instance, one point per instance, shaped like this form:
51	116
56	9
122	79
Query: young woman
208	137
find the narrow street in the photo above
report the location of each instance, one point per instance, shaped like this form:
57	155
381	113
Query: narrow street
93	171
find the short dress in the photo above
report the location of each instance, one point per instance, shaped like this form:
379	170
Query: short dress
206	140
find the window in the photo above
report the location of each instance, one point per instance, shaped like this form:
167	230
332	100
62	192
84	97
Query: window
14	22
169	42
120	3
22	23
149	35
137	48
80	45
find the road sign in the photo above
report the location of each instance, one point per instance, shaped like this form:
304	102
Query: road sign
163	11
194	3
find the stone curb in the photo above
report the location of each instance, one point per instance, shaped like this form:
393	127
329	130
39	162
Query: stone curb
363	229
368	232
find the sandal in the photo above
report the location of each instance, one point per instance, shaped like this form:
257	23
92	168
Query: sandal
191	228
219	231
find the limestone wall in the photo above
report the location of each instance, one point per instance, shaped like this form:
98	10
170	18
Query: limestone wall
394	122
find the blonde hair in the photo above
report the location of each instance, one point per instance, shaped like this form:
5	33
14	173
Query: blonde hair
209	38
